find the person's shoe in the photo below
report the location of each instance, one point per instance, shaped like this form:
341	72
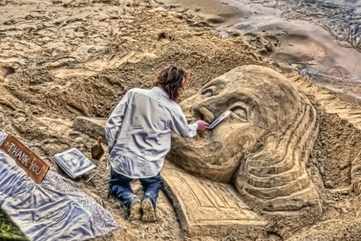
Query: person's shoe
149	214
135	210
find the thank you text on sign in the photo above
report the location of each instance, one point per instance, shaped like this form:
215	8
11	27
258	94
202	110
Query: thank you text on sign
35	167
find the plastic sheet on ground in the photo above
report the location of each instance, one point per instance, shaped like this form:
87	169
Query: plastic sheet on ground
52	211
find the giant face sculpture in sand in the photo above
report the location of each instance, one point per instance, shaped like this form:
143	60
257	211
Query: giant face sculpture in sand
263	148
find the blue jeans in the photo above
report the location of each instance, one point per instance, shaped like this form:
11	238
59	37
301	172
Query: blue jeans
119	187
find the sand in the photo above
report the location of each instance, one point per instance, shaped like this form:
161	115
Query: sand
78	57
314	37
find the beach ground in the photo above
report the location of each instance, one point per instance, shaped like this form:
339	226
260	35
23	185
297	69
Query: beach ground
78	57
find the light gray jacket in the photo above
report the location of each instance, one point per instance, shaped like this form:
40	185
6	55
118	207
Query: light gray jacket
139	130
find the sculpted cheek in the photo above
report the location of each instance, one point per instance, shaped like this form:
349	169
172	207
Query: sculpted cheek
247	142
239	137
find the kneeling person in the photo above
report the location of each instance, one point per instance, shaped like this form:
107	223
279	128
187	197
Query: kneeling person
138	134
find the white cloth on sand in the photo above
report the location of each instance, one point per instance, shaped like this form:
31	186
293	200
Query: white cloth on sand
55	210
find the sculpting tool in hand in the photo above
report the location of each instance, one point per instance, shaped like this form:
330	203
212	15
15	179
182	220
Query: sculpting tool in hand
219	119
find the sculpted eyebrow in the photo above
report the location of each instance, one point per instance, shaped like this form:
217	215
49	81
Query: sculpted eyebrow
220	83
244	98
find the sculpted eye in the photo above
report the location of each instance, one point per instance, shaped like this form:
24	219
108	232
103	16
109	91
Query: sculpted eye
210	91
240	112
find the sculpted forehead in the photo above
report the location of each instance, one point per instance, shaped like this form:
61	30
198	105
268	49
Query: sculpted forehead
266	95
264	85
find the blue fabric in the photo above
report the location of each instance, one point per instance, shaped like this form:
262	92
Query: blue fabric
120	188
151	187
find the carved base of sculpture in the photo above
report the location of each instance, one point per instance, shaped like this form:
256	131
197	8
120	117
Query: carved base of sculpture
208	207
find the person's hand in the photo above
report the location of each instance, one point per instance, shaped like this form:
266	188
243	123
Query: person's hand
202	125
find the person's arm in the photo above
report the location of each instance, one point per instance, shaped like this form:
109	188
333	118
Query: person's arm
181	127
115	120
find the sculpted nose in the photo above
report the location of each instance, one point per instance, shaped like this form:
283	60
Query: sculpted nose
202	112
198	107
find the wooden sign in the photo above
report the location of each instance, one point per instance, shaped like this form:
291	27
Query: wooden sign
35	167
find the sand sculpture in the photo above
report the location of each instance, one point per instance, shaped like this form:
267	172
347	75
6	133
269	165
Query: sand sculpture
262	149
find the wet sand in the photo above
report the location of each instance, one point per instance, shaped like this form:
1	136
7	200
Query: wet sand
302	44
208	7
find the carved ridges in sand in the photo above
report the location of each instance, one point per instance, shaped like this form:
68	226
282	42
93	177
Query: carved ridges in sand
208	207
8	99
275	178
329	101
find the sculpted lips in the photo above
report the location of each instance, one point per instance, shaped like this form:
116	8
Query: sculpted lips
204	114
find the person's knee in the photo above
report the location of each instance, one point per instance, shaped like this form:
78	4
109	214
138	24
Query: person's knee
113	189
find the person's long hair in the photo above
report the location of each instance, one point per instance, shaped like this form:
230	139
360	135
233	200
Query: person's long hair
170	79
